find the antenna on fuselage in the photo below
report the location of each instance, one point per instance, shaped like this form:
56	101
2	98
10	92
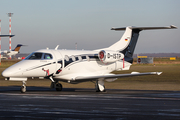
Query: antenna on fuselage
76	46
56	47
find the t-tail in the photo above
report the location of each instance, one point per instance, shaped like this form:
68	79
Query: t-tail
17	48
127	43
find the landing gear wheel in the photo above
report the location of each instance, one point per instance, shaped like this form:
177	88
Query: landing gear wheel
23	89
99	85
98	90
58	87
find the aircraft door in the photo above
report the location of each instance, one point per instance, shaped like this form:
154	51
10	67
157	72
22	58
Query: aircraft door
59	62
49	63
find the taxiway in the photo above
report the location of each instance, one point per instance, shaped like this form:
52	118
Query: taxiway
75	103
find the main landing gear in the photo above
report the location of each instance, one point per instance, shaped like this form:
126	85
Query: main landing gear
99	85
23	87
57	86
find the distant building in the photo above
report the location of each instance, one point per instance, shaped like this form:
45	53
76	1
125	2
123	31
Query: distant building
145	60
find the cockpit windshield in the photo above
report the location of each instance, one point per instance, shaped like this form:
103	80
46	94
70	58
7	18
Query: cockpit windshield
39	56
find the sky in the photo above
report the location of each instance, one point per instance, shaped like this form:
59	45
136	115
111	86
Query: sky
47	23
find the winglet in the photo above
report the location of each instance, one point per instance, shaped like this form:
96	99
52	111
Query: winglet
173	26
158	73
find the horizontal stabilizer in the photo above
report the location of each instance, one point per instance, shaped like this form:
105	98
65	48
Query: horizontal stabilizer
146	28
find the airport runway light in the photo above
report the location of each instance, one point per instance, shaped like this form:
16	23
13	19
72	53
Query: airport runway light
10	15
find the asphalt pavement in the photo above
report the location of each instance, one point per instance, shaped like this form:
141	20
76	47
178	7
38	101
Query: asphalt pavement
75	103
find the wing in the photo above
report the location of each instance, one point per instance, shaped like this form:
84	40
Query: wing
109	76
7	35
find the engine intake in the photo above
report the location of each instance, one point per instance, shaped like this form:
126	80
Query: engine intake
109	56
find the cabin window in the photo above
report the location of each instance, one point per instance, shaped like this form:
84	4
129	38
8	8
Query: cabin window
73	58
83	57
77	58
80	58
47	56
66	58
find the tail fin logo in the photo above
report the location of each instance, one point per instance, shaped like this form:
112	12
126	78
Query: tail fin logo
18	47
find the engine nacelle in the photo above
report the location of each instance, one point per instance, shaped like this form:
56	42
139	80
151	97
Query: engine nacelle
110	56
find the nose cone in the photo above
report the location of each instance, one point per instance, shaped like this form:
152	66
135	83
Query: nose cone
9	72
12	71
5	73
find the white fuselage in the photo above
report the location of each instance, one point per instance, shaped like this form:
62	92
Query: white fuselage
64	65
10	52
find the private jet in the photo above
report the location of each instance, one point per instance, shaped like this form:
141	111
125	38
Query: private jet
76	66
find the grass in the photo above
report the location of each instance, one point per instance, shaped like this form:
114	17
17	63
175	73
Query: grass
7	63
168	80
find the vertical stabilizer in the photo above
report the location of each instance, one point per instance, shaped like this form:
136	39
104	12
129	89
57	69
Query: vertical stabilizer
129	50
17	48
127	43
123	42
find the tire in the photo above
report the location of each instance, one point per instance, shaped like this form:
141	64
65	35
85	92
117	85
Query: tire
98	90
23	89
58	87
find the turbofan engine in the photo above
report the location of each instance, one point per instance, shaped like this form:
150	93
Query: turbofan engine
109	56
